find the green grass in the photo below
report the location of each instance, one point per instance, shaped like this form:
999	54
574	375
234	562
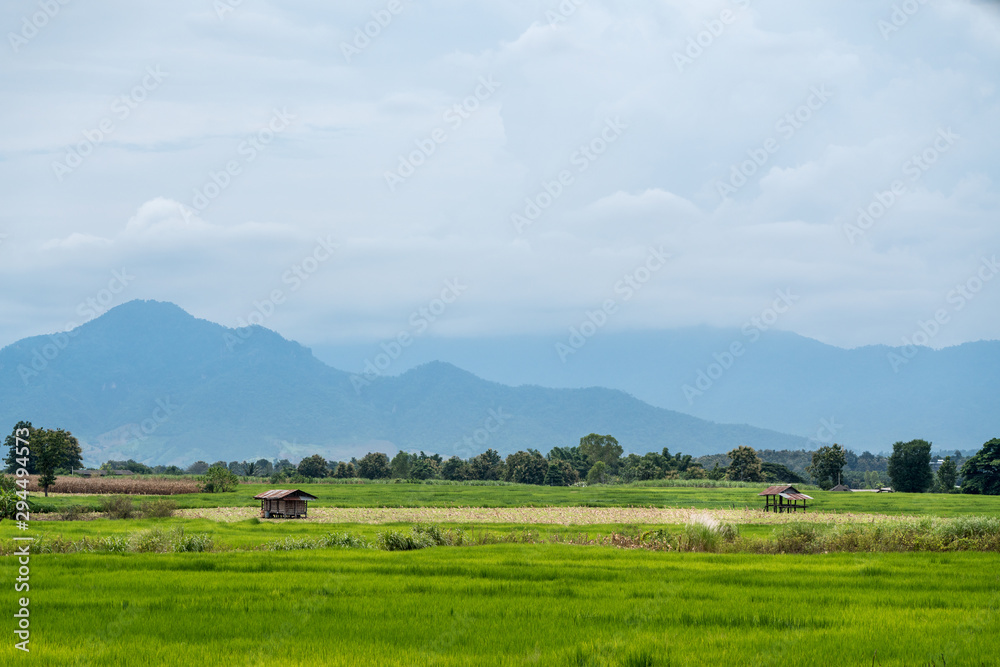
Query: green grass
524	495
512	604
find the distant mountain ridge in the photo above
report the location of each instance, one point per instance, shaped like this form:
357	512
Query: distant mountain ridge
146	380
863	398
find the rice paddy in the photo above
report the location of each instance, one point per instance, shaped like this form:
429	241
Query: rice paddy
592	578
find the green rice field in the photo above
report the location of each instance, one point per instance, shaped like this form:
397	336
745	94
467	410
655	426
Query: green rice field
534	582
513	605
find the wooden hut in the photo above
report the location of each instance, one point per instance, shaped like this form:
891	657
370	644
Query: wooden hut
784	498
283	504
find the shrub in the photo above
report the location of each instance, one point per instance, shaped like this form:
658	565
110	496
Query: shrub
393	540
74	512
118	507
190	543
219	479
158	508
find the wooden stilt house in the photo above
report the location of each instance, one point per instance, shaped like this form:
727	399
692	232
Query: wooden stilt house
784	498
283	504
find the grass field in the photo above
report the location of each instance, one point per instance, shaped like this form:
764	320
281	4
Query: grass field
525	495
513	604
544	598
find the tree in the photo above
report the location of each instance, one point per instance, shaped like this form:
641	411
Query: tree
526	467
946	475
131	464
344	471
554	475
401	464
250	469
601	448
981	472
62	450
374	466
197	468
425	468
827	464
312	466
744	465
598	473
574	456
219	479
455	469
910	466
486	466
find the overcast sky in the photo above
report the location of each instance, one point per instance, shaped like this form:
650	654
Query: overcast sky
524	160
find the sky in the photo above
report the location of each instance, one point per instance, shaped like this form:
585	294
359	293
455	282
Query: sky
455	169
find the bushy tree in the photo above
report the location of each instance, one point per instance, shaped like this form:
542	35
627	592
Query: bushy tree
61	449
910	466
219	479
344	471
574	456
598	473
425	468
827	465
401	464
601	448
946	475
554	475
312	466
131	464
197	468
486	466
526	467
744	465
981	472
374	466
455	469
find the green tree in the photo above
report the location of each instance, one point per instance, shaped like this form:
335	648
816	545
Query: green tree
526	467
981	472
401	464
374	466
61	449
717	473
219	479
250	469
344	471
574	456
775	473
744	465
554	475
425	468
946	475
910	466
312	466
601	448
827	465
598	473
455	469
486	466
197	468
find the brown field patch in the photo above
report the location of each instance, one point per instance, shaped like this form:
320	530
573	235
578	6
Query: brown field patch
113	485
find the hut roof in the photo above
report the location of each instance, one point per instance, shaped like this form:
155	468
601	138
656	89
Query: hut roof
841	487
284	494
786	491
